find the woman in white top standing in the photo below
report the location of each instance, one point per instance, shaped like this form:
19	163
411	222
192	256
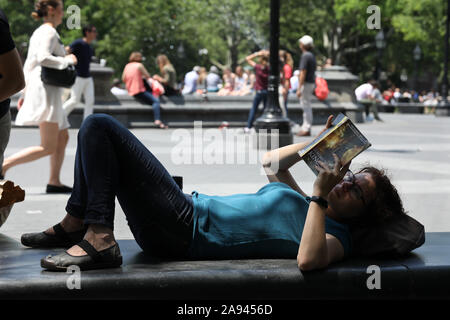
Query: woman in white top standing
41	104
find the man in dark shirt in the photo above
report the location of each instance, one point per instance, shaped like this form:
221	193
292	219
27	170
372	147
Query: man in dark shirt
306	83
84	84
11	81
261	82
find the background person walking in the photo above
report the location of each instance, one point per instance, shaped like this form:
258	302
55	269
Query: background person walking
41	104
84	84
306	82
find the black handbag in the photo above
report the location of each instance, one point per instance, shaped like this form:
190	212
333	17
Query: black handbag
395	238
59	78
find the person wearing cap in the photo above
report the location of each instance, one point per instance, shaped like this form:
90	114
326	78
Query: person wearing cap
213	80
190	81
306	83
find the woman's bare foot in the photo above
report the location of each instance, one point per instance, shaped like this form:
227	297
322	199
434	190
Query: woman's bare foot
99	236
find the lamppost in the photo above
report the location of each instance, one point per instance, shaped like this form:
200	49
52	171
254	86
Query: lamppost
380	43
417	53
272	125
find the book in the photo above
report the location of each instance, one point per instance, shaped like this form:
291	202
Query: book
342	138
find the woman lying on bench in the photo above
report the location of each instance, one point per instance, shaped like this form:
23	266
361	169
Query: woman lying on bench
279	221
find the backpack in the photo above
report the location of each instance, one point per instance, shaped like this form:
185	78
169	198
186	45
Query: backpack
321	91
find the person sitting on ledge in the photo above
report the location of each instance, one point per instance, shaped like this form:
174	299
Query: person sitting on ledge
278	221
135	76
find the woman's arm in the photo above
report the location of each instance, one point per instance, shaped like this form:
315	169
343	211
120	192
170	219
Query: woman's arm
318	249
301	82
160	79
47	59
250	58
144	71
277	162
12	79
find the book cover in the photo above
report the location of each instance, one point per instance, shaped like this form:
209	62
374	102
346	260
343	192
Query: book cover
342	138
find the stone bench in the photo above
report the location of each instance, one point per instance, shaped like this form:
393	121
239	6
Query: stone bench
425	273
182	111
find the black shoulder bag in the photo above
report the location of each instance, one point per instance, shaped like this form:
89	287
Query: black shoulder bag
59	78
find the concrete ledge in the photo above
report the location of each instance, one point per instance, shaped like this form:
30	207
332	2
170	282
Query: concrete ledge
443	110
414	107
182	111
425	273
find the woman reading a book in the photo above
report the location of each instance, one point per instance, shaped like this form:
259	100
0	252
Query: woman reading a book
278	221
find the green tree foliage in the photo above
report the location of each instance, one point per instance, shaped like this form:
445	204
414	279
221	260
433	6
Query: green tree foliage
232	29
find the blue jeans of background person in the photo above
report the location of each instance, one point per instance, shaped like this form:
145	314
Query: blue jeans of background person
261	95
110	161
147	98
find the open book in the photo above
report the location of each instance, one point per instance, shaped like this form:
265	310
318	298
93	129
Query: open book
342	138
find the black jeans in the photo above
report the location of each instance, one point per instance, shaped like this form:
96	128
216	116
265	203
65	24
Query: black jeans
111	161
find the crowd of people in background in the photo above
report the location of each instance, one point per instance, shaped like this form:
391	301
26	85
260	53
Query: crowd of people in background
225	82
394	95
248	80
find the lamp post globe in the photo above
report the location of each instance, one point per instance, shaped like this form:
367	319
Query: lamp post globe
379	40
417	53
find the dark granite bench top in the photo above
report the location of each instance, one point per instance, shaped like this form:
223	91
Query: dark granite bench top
424	273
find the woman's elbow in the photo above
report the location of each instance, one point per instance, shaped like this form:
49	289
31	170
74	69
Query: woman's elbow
267	159
310	264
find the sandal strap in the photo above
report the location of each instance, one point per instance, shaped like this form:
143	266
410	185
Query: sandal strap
60	233
90	250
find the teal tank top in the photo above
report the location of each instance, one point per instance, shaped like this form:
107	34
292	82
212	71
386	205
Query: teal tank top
265	224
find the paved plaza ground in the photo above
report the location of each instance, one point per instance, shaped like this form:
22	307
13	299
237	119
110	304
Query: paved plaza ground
414	148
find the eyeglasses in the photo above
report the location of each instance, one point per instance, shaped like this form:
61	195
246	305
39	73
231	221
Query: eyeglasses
356	189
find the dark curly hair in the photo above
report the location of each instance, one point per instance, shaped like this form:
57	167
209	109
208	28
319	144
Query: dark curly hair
385	204
372	231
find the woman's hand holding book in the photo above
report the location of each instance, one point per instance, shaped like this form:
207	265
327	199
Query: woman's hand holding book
329	177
